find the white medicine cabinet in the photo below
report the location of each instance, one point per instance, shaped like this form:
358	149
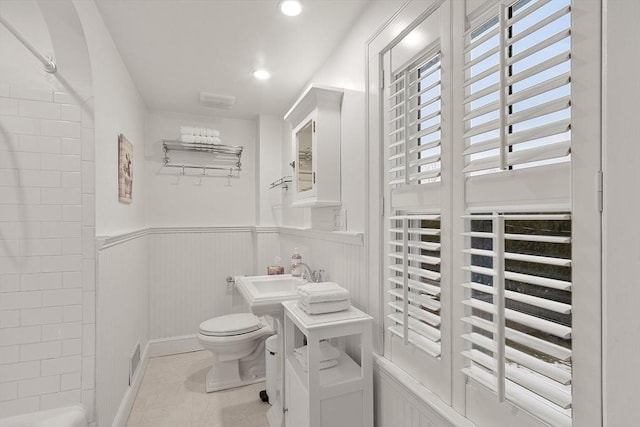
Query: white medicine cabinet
315	143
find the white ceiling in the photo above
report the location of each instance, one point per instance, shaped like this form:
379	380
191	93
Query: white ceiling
174	49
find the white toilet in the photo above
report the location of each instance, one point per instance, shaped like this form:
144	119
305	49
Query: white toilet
237	344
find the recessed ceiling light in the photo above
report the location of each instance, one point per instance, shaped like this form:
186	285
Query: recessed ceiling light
290	7
262	74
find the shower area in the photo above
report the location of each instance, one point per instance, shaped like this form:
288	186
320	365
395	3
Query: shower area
47	211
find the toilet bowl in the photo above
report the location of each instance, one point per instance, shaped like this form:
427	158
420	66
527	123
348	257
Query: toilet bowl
237	344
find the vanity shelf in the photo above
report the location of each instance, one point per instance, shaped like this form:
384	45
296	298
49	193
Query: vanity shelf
337	396
220	157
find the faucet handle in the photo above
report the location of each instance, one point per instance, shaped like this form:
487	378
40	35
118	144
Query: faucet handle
318	275
307	275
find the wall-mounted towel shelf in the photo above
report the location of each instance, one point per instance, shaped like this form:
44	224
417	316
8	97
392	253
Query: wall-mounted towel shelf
283	182
220	157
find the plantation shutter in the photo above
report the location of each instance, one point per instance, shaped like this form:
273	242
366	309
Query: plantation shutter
518	271
415	123
518	88
414	279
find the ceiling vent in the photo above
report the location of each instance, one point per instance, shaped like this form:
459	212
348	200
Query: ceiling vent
217	101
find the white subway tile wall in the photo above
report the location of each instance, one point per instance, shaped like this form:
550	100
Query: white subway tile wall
47	252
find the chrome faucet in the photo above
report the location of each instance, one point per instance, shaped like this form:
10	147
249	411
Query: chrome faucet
314	276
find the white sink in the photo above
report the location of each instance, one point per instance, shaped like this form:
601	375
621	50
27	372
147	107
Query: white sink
264	294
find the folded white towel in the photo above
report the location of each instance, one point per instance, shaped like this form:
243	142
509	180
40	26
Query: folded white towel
326	364
212	140
327	351
187	138
324	307
322	292
186	130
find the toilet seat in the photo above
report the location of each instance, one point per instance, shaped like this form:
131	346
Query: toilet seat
231	324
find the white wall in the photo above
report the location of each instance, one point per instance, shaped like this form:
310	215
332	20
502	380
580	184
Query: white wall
621	266
345	68
189	200
269	169
47	281
118	109
122	319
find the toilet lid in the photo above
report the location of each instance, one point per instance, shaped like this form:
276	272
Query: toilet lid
231	324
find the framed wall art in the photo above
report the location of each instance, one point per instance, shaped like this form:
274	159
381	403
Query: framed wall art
125	170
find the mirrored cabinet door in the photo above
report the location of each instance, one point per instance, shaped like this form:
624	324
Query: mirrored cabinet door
304	158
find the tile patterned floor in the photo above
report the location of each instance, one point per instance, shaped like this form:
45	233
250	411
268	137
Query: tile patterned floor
172	395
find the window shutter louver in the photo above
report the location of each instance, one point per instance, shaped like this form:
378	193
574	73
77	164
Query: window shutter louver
415	123
414	293
519	310
518	88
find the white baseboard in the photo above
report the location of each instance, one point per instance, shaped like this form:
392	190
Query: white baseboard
174	345
129	397
154	348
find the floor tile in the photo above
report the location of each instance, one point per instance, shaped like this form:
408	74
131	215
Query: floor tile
172	394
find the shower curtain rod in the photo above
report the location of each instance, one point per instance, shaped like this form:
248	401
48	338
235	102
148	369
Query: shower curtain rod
49	65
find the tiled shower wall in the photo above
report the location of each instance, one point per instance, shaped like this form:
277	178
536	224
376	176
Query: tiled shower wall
47	256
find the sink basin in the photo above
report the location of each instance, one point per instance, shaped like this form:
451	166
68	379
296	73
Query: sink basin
264	294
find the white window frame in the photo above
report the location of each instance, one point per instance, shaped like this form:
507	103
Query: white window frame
432	197
482	194
574	189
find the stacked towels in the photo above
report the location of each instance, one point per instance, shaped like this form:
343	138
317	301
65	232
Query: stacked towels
328	356
320	298
199	135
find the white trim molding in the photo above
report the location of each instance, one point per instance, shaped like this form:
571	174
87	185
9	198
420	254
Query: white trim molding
130	394
108	241
104	242
174	345
348	238
154	348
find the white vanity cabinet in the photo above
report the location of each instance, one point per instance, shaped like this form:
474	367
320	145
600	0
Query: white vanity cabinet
341	396
315	142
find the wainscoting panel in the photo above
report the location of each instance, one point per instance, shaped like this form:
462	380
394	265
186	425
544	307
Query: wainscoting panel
267	243
399	400
122	318
341	256
187	272
342	259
